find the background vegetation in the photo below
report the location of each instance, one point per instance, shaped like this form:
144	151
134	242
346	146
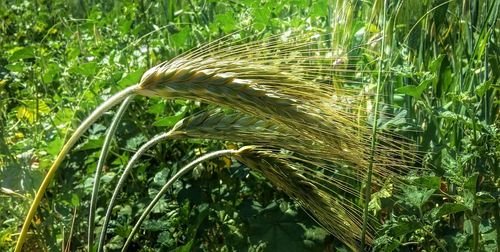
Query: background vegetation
60	59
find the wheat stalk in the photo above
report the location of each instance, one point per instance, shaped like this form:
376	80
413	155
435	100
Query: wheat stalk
292	81
321	195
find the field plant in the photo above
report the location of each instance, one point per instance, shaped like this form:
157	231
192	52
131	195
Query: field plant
324	125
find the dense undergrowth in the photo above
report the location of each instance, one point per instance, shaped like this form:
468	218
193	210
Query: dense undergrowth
60	59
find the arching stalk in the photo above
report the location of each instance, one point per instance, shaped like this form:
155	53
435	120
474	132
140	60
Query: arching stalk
100	165
115	99
172	180
121	182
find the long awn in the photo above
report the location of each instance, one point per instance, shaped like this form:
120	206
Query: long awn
293	81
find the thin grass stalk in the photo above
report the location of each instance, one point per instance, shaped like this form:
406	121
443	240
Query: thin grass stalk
374	132
115	99
100	165
145	147
172	180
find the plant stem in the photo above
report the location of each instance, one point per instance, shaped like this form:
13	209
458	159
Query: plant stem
100	165
121	182
374	134
172	180
115	99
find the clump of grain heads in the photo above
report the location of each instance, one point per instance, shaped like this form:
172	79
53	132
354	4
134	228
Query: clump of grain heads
302	94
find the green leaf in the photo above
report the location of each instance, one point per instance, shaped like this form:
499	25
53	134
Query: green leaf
262	17
51	71
15	67
30	109
485	197
90	144
184	248
435	64
72	52
86	69
414	91
21	53
226	22
134	142
471	182
415	196
179	39
131	78
55	146
170	121
430	182
75	200
405	224
483	87
450	208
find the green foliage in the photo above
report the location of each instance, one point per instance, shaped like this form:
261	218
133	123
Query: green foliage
60	59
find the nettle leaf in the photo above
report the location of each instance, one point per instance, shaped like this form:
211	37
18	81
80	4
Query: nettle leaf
279	229
415	196
134	142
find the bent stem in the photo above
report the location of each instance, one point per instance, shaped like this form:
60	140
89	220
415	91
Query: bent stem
100	164
121	182
172	180
115	99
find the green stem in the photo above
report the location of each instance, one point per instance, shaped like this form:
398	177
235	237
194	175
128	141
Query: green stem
172	180
100	165
374	135
475	235
438	242
121	182
115	99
